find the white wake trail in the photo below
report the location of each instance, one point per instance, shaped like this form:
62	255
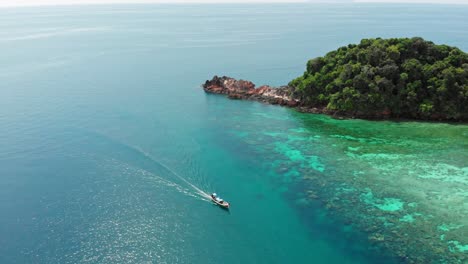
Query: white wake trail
198	190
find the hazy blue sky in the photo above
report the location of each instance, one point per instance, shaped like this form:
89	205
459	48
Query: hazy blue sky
59	2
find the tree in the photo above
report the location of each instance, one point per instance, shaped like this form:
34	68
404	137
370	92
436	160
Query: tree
409	77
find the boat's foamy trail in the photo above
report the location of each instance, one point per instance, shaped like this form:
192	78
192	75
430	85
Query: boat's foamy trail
198	190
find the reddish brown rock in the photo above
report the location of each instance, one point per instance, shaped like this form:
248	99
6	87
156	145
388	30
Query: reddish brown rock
241	89
245	90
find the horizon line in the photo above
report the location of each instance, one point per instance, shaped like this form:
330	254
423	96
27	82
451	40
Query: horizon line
211	2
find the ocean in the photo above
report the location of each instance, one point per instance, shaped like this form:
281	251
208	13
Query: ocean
108	144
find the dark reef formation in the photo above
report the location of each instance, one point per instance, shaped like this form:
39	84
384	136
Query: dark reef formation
376	79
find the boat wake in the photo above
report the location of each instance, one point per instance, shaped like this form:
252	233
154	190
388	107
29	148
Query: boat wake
161	181
195	189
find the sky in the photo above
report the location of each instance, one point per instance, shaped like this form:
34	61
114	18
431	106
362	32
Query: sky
4	3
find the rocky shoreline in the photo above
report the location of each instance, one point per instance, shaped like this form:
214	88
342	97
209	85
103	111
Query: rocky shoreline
241	89
246	90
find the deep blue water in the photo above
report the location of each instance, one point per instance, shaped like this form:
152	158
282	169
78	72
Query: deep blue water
104	127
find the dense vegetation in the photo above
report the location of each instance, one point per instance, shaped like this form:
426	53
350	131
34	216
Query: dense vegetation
394	77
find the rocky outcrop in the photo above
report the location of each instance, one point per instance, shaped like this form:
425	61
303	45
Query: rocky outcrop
241	89
246	90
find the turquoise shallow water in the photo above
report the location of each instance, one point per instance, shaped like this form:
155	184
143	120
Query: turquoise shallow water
104	130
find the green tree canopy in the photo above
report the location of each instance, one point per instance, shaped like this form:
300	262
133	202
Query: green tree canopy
402	77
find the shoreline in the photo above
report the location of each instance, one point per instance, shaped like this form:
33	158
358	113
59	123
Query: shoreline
246	90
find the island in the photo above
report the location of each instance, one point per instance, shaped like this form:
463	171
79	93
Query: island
395	78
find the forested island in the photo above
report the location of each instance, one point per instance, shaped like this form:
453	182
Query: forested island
375	79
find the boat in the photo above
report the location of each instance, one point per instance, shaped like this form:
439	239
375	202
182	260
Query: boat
220	202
